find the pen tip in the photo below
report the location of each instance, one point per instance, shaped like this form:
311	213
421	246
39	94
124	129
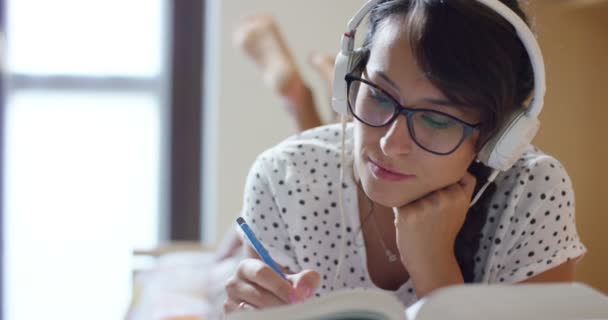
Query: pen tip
240	220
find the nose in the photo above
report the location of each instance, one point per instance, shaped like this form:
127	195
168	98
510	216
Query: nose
397	139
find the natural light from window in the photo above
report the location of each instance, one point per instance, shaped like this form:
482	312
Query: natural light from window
93	37
82	167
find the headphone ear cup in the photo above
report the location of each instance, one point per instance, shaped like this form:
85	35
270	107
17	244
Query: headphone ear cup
339	99
510	141
345	65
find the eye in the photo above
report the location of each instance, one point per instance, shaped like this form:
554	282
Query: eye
381	98
437	121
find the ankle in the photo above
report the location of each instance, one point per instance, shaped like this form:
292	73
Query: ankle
300	104
297	94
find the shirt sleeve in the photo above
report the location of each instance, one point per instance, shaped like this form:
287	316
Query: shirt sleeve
541	233
263	214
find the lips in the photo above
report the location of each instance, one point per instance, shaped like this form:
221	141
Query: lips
381	172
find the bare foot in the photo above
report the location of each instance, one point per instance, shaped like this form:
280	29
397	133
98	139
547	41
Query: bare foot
259	37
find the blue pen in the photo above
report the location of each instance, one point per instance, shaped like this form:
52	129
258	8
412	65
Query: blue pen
259	248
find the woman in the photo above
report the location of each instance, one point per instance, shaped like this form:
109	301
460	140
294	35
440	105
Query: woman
458	69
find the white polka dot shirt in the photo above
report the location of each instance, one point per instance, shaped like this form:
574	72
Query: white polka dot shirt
291	202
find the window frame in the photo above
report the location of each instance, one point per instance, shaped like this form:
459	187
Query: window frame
181	101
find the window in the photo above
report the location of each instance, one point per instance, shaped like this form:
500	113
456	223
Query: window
84	139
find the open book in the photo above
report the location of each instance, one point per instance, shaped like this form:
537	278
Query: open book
522	301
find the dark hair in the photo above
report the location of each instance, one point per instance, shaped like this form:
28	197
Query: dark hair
476	59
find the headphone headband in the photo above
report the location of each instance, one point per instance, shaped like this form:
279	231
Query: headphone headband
514	136
523	31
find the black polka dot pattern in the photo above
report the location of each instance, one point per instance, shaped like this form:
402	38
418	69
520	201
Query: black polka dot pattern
292	194
536	229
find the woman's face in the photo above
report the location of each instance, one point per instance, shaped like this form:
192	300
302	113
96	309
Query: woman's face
392	168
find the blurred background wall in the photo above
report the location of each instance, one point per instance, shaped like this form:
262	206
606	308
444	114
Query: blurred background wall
575	46
244	117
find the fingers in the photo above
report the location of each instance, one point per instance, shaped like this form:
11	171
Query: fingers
257	285
232	306
245	306
305	283
260	274
465	186
252	294
443	197
468	183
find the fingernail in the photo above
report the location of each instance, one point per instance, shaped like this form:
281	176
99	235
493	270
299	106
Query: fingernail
305	291
309	292
292	297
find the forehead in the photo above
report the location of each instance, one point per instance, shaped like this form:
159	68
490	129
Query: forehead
391	42
391	54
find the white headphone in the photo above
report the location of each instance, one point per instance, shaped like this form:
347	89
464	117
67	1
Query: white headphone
510	141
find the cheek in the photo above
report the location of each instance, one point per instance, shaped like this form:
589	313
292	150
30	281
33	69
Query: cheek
446	170
363	140
358	148
367	138
365	143
436	172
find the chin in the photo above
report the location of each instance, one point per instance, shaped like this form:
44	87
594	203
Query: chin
386	195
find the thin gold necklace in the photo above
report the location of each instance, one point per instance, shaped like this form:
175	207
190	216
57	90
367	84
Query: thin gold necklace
390	255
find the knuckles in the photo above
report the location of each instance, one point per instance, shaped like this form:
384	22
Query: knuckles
231	285
227	306
261	272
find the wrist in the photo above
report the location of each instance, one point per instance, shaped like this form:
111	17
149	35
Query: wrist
423	259
444	271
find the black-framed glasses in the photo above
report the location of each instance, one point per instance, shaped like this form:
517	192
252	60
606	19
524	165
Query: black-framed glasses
434	131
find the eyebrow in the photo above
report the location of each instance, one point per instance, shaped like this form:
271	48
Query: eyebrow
387	79
440	102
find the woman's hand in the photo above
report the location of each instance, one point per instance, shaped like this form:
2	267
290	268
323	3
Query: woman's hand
255	285
426	230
